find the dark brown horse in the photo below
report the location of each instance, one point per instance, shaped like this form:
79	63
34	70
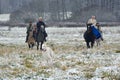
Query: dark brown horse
89	38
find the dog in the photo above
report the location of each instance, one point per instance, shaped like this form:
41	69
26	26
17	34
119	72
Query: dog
48	55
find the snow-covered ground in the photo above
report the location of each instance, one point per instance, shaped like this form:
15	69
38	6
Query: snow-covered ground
65	58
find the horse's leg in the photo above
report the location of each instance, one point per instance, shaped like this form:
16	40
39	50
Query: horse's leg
96	41
92	44
88	46
32	45
37	45
29	45
41	45
99	43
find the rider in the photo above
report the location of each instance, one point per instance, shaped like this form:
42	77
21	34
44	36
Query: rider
29	28
91	21
41	28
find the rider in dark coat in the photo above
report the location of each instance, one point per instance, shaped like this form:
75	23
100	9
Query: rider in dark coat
41	33
41	27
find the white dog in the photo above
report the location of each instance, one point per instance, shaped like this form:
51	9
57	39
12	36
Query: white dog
48	55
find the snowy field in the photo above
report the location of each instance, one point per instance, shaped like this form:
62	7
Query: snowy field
66	58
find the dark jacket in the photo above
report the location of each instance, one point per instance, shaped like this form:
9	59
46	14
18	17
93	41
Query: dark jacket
29	28
39	24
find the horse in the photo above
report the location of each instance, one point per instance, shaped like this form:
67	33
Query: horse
89	38
100	38
98	41
31	40
40	38
48	56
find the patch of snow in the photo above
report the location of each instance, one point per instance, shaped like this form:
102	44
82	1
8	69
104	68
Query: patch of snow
113	70
4	17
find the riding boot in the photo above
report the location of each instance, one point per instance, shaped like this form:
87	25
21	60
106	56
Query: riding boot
27	37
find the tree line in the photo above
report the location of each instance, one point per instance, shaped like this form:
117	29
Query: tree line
68	10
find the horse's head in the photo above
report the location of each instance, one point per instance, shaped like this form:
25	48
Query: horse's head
89	30
89	24
89	27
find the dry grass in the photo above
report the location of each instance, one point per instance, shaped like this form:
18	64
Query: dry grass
88	75
30	56
11	48
6	49
65	48
19	49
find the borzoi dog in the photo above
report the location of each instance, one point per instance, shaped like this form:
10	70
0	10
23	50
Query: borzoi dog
48	55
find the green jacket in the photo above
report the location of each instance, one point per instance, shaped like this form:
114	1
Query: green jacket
29	28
